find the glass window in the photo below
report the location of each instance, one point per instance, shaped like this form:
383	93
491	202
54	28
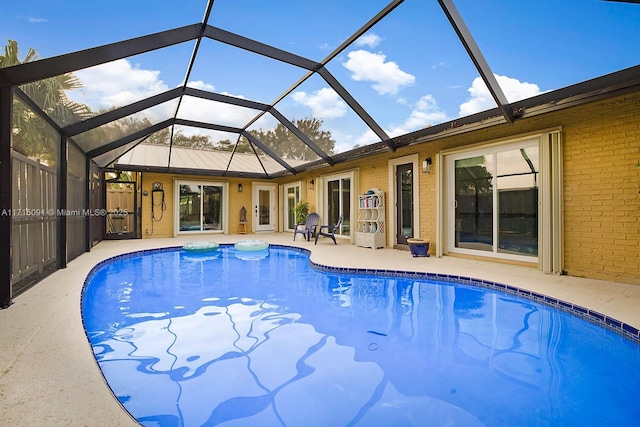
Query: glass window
292	193
474	203
211	207
200	207
338	202
264	204
495	200
517	181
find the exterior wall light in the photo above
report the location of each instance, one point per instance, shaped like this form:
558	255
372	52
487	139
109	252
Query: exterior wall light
426	165
239	188
310	186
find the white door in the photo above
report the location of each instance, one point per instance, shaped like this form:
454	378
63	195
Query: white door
493	206
338	202
292	194
264	207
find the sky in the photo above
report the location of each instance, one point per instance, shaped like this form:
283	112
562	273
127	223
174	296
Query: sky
408	71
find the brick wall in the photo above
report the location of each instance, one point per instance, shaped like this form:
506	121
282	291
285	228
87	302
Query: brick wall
601	184
165	226
601	147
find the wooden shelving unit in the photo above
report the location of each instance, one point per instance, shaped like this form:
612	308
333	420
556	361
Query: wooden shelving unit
371	232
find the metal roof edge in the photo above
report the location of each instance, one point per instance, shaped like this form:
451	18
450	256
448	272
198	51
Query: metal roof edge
606	86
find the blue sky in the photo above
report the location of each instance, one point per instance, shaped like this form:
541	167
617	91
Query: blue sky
409	71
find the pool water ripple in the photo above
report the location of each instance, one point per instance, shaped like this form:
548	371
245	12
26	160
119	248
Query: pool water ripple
219	338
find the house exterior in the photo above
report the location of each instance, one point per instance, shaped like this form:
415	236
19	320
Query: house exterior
578	211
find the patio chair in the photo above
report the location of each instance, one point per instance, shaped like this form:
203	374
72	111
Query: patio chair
308	228
330	231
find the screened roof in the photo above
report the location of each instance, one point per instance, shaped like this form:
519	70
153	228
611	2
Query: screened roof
271	88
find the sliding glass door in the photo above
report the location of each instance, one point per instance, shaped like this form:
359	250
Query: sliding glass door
292	197
473	203
200	207
494	200
338	203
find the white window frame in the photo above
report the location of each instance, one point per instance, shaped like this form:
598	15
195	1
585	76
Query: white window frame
176	211
392	199
273	215
284	207
321	201
550	210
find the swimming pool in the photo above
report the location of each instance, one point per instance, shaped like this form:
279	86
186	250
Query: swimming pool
222	339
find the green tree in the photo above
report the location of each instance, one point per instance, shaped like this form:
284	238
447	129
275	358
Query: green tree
285	144
197	142
160	137
111	131
242	146
32	136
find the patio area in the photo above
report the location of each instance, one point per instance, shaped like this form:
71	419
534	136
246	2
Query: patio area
48	375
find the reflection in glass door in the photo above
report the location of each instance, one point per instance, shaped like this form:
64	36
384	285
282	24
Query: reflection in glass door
338	198
264	207
517	184
404	203
200	207
474	203
292	194
495	200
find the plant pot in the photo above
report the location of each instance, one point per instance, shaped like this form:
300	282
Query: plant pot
418	247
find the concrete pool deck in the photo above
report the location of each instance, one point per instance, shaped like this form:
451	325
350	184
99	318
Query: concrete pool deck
48	375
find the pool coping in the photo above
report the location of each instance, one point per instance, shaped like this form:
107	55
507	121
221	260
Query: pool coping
50	374
607	322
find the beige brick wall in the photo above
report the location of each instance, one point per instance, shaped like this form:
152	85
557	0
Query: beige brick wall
601	146
165	226
601	143
601	184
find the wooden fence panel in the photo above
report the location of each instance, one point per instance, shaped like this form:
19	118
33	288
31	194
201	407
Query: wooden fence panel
33	220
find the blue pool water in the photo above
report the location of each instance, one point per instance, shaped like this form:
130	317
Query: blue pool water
192	339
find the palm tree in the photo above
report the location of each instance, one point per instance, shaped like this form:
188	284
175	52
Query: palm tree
32	136
10	56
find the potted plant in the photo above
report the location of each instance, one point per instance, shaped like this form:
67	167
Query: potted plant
418	247
301	211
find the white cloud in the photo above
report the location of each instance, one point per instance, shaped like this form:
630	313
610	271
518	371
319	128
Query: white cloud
425	112
118	83
199	84
207	111
367	138
481	99
441	64
204	110
370	40
387	77
37	20
324	103
344	141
